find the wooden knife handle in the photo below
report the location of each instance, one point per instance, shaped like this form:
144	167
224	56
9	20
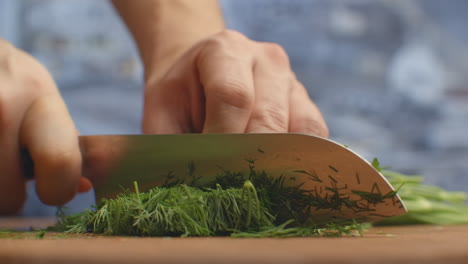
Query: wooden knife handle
27	164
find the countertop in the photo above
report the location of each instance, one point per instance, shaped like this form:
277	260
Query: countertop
403	244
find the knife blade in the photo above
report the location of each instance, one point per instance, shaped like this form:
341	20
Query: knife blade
325	168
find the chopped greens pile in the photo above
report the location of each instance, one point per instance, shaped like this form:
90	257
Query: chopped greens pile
252	206
188	211
178	211
260	207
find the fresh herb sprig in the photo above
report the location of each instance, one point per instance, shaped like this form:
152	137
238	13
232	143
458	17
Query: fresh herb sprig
426	204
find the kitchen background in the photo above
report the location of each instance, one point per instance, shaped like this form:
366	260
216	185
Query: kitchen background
390	76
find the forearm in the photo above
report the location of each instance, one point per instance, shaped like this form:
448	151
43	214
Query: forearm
164	29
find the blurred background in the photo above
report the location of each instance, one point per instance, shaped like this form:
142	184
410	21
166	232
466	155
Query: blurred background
390	76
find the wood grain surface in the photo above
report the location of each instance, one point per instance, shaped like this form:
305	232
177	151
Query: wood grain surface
407	244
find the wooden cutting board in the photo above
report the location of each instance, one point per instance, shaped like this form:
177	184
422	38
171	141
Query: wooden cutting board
407	244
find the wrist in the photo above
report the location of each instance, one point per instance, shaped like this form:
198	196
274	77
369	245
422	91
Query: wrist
165	29
157	60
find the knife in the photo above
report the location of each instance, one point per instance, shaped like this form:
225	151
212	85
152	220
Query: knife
327	169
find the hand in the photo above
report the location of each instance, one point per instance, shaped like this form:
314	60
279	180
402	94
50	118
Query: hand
34	117
230	84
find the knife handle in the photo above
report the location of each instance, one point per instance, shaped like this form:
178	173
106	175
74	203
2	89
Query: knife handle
27	165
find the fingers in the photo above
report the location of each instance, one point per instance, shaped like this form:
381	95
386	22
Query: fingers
305	117
210	89
174	104
12	183
48	132
33	118
229	89
230	84
272	91
165	110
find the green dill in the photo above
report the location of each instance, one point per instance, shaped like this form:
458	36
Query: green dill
177	211
426	204
332	179
376	164
333	168
312	175
255	205
259	207
233	203
375	196
40	234
358	180
283	230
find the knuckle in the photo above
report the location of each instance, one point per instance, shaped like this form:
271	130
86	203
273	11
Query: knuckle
233	93
57	160
276	53
230	35
224	39
24	88
8	61
23	72
213	43
33	84
270	119
38	84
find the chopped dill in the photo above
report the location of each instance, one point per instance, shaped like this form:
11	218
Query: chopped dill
238	205
256	205
177	211
252	204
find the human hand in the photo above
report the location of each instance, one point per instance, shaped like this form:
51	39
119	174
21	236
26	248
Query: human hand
228	83
33	117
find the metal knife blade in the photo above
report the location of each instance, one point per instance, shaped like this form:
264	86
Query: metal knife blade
326	168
